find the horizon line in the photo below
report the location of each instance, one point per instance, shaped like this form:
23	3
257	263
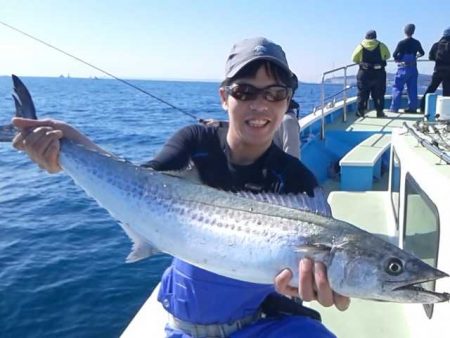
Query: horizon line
168	79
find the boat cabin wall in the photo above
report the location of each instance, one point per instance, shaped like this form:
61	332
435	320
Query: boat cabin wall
413	168
419	189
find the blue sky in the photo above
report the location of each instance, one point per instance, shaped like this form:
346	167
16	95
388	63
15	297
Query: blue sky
190	39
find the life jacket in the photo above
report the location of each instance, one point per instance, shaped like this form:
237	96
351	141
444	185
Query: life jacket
371	59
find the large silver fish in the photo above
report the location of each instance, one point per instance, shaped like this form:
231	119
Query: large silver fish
240	237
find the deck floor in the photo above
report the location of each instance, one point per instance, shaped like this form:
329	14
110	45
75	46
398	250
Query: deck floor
372	123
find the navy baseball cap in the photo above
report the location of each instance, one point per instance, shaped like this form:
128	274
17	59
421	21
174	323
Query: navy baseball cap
410	29
446	32
249	50
370	35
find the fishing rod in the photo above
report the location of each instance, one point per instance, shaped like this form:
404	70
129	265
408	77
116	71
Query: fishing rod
102	71
433	147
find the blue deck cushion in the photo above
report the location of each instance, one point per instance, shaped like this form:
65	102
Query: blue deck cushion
361	164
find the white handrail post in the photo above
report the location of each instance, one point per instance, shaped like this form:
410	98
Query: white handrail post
322	99
345	95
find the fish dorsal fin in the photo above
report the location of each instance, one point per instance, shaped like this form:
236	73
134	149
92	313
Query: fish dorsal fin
190	174
316	204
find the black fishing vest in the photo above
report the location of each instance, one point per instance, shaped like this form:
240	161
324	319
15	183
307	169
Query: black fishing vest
371	59
443	52
206	147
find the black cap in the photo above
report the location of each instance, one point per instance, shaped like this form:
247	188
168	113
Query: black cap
446	32
370	35
249	50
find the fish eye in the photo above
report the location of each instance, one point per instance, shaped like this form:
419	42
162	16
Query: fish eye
394	266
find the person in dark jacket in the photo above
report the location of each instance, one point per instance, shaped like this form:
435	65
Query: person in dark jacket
405	55
440	54
371	55
287	136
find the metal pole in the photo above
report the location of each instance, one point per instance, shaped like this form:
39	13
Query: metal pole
345	95
322	99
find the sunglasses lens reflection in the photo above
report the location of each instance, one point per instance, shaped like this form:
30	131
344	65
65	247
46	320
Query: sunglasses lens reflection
246	92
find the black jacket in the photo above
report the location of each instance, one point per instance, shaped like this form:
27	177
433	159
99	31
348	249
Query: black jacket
440	53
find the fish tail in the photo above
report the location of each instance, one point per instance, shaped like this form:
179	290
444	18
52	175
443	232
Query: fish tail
22	100
24	108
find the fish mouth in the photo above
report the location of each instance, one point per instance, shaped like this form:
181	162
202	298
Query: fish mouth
413	287
416	288
438	296
408	285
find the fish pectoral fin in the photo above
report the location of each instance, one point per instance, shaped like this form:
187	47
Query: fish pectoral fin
141	248
314	249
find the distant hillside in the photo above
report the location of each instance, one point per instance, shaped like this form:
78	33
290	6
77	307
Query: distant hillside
423	81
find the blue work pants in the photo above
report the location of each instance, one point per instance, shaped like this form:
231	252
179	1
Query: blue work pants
405	75
282	326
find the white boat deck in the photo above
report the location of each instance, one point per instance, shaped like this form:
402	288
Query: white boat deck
375	124
366	209
149	321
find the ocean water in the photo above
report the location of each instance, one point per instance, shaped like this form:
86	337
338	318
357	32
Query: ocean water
62	258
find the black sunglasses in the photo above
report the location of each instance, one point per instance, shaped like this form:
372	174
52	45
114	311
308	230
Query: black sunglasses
247	92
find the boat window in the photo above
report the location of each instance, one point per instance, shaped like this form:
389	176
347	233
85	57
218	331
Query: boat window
421	228
395	185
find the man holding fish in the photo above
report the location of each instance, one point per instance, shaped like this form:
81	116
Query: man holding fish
256	93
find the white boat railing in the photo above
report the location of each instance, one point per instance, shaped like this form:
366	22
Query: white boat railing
322	94
344	90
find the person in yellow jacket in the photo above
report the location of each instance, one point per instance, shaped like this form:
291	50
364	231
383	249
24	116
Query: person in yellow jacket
371	55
